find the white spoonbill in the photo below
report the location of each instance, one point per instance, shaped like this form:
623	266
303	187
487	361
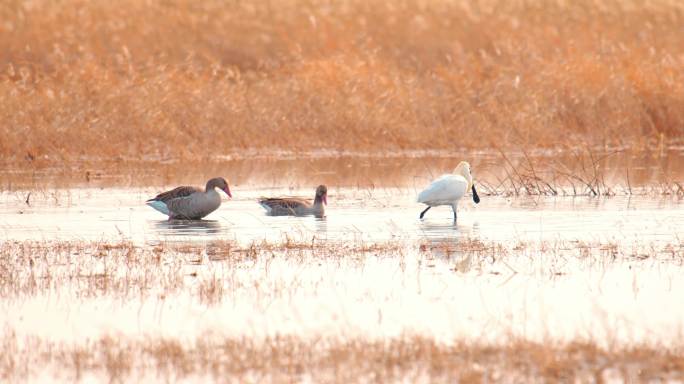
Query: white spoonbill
190	203
448	189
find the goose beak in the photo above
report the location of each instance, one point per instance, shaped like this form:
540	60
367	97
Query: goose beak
476	198
227	191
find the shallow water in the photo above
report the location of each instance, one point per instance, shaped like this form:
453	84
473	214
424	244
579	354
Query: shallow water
423	289
352	214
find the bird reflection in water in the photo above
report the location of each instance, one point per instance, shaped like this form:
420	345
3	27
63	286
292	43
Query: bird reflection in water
449	242
187	227
322	227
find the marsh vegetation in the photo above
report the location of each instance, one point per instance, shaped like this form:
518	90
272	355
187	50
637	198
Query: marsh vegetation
283	311
98	80
570	113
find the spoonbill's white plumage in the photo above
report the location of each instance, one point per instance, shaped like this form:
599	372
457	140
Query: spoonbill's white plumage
449	189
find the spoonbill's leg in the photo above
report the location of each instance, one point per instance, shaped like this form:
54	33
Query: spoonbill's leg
454	208
426	209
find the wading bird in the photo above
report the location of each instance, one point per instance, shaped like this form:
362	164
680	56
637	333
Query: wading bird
449	189
190	203
295	206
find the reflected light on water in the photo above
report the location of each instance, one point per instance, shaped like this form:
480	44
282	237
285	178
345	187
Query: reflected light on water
352	214
187	227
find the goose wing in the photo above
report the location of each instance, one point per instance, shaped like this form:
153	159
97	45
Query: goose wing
446	189
283	202
176	193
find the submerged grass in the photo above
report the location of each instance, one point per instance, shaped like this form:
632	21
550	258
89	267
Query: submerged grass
124	269
210	271
126	80
290	359
222	272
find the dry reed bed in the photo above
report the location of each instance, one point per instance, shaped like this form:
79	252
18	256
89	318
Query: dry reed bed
210	271
157	80
291	359
581	172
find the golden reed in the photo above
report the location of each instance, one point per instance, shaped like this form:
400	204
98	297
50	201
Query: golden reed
132	79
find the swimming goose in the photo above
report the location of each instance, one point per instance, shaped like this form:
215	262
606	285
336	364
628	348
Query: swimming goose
190	203
294	206
449	189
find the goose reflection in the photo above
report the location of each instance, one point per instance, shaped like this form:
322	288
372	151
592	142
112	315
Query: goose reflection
322	226
187	227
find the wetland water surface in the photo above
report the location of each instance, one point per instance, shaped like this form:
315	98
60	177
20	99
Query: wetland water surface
559	268
352	214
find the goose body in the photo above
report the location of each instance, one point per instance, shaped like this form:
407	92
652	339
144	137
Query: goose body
449	189
190	203
295	206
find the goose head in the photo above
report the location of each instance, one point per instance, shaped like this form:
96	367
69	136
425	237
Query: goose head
220	183
321	194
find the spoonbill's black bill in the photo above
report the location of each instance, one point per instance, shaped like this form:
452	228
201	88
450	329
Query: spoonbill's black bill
476	198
